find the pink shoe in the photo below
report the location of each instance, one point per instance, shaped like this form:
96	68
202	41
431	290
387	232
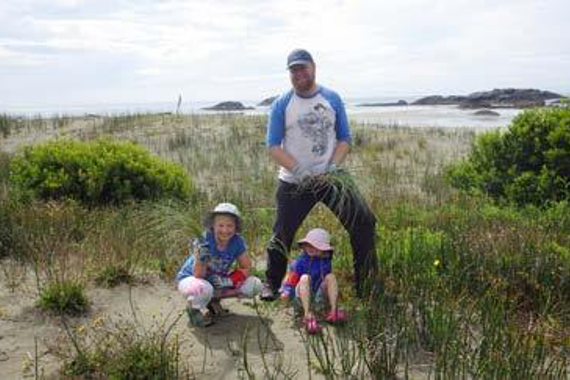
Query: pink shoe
312	325
337	316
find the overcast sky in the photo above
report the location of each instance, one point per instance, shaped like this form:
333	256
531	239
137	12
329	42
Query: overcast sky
59	52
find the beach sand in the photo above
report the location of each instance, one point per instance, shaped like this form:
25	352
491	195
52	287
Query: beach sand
212	353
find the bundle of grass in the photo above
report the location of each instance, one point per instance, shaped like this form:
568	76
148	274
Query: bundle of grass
337	189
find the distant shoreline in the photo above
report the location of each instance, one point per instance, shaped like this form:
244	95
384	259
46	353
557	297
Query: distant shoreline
194	107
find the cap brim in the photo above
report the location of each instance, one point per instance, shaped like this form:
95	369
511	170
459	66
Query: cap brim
303	62
319	246
209	219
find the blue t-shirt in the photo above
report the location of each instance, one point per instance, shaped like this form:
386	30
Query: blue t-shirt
308	128
317	267
221	261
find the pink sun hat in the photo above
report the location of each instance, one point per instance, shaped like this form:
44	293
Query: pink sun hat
318	238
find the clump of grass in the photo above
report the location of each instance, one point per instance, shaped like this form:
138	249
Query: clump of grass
113	275
64	297
4	175
5	125
119	350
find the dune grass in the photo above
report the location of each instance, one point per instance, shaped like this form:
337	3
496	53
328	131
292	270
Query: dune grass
472	289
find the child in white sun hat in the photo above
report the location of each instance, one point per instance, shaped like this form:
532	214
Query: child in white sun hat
208	275
310	277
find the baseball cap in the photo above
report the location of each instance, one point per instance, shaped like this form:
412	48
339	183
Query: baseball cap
299	57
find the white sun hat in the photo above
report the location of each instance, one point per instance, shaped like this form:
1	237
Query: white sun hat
318	238
224	208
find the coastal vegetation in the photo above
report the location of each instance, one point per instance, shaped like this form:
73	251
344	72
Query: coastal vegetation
472	287
528	163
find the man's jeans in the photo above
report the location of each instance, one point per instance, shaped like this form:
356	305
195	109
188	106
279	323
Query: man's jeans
294	202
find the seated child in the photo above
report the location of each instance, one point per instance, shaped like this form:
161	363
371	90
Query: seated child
310	277
205	277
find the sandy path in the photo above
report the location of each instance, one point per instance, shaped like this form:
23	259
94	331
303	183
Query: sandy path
212	353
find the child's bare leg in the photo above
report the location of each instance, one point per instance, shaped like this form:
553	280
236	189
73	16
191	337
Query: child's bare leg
331	290
304	293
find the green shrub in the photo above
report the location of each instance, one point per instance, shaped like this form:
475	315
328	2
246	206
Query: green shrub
64	297
527	164
98	172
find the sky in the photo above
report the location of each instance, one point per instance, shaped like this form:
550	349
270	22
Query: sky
74	52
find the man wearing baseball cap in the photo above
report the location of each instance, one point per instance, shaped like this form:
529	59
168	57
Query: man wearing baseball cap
308	136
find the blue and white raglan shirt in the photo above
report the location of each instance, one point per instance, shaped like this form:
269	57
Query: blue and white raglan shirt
308	128
220	262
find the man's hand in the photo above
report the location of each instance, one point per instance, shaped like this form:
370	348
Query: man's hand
332	168
301	172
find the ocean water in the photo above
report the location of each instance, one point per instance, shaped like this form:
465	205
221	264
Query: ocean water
444	116
415	116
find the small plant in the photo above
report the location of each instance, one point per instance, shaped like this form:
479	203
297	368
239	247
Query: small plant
5	125
120	350
6	229
113	275
64	297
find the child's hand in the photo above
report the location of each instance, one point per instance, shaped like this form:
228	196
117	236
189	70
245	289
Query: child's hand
201	250
284	297
221	281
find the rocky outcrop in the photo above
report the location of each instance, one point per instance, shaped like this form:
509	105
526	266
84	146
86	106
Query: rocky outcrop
266	102
392	104
497	98
228	106
435	100
486	113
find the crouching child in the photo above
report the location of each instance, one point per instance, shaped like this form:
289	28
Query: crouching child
206	277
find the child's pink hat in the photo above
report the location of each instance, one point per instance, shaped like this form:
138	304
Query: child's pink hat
318	238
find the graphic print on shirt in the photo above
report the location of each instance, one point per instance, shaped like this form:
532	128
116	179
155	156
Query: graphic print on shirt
316	125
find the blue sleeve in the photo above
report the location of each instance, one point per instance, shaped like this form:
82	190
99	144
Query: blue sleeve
342	127
276	121
187	268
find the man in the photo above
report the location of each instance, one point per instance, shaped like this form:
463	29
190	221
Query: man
308	136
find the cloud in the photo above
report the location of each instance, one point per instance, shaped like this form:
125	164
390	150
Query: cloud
209	49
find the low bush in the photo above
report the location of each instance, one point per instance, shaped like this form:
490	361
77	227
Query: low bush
527	164
96	173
